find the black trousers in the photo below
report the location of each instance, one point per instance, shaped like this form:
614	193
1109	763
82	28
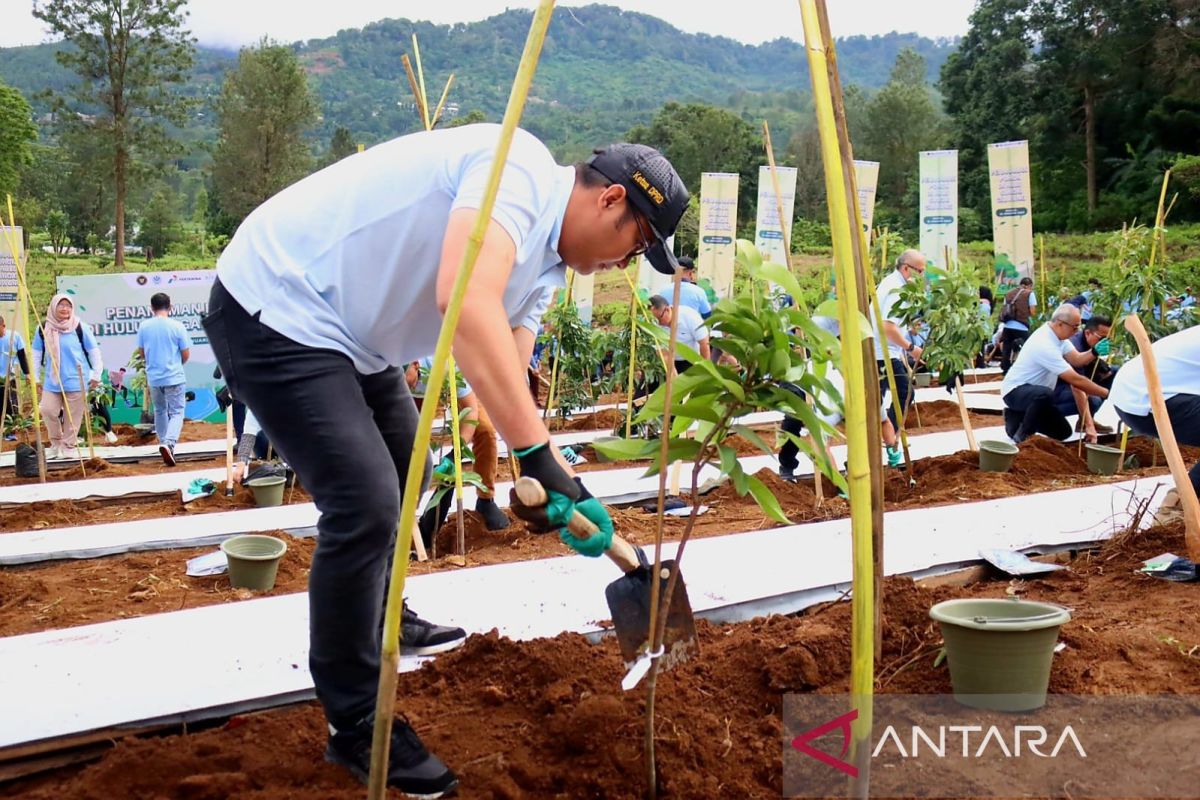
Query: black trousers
903	388
1011	342
1184	412
349	437
1032	411
789	450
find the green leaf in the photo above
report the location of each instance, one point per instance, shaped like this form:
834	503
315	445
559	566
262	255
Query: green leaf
739	478
626	449
779	274
753	437
695	409
729	460
766	501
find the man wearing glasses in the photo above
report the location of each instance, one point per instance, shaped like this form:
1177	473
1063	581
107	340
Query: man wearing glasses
319	305
1028	389
909	266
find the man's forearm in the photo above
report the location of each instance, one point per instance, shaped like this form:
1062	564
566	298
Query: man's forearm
486	351
1081	404
895	335
1081	383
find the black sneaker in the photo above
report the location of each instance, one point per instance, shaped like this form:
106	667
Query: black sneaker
493	517
787	475
419	637
411	768
168	454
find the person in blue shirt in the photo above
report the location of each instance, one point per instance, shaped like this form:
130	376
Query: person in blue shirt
165	345
12	353
63	348
690	294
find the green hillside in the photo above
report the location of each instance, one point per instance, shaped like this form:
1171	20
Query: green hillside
603	71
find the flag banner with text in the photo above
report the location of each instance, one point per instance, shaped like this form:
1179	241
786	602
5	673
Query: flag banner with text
1012	211
939	206
718	230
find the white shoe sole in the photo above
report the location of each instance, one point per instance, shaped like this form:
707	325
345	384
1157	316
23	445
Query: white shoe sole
432	649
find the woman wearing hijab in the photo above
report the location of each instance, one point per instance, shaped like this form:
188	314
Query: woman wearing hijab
62	345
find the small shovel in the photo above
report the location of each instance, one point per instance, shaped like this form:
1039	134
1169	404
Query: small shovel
629	596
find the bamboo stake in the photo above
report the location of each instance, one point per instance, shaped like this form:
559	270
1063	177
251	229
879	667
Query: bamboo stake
10	237
966	418
389	661
1042	264
421	83
632	359
785	228
87	413
1124	442
658	615
857	410
550	396
1166	435
416	90
229	452
437	112
456	438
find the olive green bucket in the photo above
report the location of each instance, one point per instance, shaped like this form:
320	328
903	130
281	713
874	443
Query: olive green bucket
996	456
923	379
1000	650
267	491
253	560
1103	460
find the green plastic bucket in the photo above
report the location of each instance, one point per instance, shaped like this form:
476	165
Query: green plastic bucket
1103	460
253	560
923	379
267	491
996	456
1000	650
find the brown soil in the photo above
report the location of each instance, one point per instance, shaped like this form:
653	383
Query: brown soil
605	420
69	513
62	593
192	432
99	468
943	415
546	719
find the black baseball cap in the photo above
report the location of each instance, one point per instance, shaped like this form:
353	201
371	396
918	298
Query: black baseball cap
655	189
686	263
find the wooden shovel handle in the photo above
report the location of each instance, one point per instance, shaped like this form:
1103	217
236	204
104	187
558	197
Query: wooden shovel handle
1166	434
531	493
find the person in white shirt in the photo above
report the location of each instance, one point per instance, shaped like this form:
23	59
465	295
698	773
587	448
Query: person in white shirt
909	266
317	307
1178	360
1028	388
690	330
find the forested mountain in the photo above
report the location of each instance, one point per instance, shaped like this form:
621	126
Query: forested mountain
603	71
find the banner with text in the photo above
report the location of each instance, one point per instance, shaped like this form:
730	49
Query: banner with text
718	230
8	276
768	233
866	177
1012	211
939	206
116	305
583	289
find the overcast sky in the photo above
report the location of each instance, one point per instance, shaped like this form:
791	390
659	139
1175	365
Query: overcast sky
238	22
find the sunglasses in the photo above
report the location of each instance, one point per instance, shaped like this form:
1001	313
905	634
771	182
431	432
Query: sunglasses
637	251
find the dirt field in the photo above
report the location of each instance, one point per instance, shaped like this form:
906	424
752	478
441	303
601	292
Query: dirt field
546	718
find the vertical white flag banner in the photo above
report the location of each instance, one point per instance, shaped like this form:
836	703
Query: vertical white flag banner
939	206
8	276
718	230
1012	211
582	291
768	232
651	280
866	177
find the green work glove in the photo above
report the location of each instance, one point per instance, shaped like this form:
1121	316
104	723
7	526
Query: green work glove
597	543
1103	347
445	467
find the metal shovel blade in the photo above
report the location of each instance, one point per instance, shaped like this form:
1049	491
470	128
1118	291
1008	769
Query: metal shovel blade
629	604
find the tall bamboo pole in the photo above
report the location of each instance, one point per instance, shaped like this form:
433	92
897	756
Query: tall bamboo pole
389	662
23	291
858	407
632	360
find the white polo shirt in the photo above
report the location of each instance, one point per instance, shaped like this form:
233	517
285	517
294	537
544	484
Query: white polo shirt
691	329
1040	361
888	294
1178	359
347	259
